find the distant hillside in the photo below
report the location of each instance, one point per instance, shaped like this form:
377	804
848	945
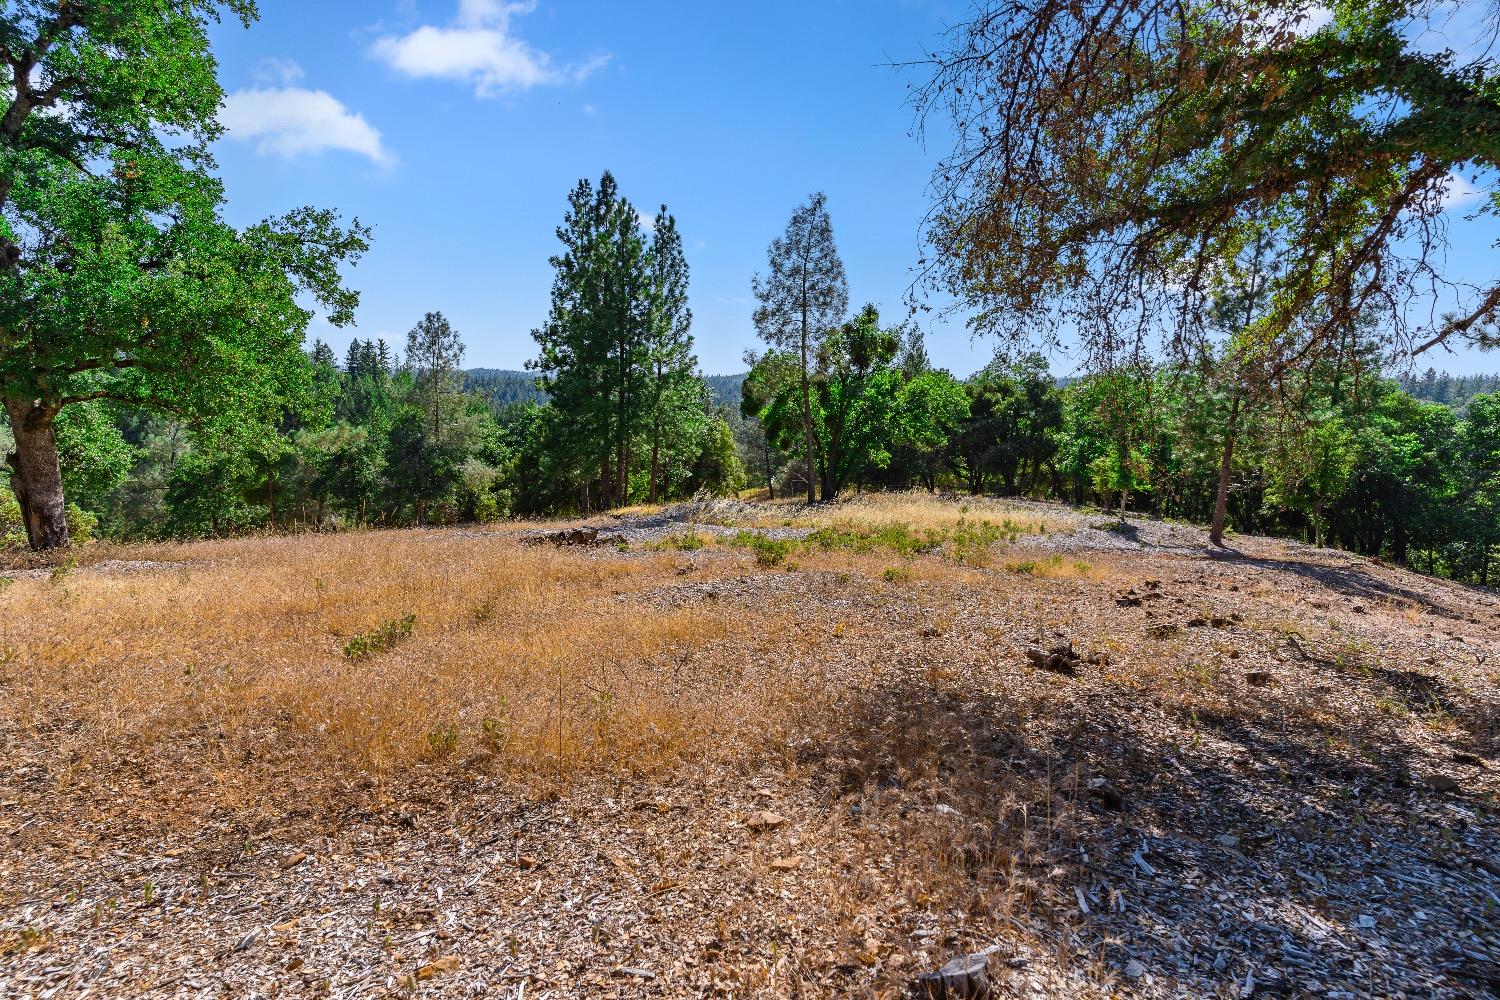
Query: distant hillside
725	389
503	387
1451	390
506	387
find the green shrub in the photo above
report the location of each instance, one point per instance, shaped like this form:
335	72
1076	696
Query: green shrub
769	552
494	731
687	542
441	742
895	536
81	524
12	528
388	635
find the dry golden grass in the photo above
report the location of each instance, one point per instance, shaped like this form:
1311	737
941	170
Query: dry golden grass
917	510
870	685
235	663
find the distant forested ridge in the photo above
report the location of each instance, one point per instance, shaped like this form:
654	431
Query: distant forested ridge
503	386
1451	390
725	389
506	386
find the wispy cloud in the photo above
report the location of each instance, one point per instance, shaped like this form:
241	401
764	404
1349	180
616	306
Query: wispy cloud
479	47
1461	193
276	71
290	121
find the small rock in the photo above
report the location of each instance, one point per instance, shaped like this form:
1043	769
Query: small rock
1134	969
626	970
1442	783
1107	794
441	967
765	819
1364	921
1226	840
786	864
293	860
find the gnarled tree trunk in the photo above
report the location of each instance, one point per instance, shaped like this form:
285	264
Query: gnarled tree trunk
1226	470
35	474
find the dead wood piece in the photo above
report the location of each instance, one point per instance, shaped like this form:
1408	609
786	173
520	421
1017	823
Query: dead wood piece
1059	660
964	978
574	536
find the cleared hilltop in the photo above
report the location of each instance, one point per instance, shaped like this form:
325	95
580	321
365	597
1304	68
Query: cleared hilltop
750	750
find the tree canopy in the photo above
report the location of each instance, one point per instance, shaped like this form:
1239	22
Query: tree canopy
119	279
1116	164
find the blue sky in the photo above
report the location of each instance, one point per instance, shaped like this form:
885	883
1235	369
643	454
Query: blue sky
456	128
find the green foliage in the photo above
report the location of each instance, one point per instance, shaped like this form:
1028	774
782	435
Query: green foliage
442	742
628	411
81	523
893	536
12	528
769	552
387	636
119	277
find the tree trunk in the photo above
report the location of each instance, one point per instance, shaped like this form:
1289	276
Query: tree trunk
1221	499
770	480
36	475
655	459
807	424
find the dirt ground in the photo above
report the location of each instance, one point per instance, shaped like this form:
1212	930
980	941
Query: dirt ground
1126	762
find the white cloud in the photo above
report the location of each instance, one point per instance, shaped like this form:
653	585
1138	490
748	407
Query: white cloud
289	121
277	71
647	220
1315	18
1461	192
479	48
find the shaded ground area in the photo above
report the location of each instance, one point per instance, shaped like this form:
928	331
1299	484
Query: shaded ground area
1271	774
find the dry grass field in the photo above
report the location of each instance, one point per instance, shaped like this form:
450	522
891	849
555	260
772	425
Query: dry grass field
748	750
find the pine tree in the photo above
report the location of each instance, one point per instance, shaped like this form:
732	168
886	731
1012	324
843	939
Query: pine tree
434	353
675	394
593	352
803	297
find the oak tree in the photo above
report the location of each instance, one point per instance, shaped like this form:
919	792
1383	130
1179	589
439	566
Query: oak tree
119	278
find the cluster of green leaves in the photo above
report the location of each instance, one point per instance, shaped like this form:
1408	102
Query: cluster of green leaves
1342	457
871	412
373	440
378	640
769	552
894	536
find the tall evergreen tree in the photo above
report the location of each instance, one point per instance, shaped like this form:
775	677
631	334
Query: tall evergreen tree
803	297
593	346
435	353
674	393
